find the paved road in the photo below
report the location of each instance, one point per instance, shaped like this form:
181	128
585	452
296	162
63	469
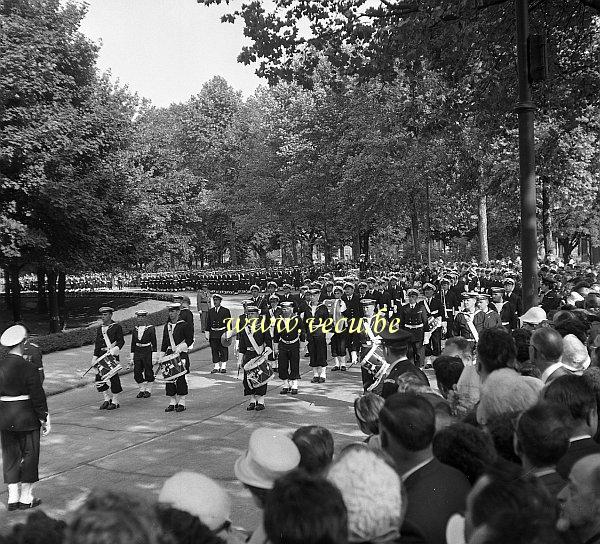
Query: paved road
136	447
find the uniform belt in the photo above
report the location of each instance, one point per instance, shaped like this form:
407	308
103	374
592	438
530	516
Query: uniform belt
218	328
143	345
506	323
289	341
414	326
14	399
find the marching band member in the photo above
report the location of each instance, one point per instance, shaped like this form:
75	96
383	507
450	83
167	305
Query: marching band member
185	312
448	303
353	314
255	298
272	313
326	291
252	343
337	344
485	317
370	350
216	325
434	311
413	319
143	351
109	338
23	410
287	296
178	335
314	317
372	292
286	341
463	321
203	298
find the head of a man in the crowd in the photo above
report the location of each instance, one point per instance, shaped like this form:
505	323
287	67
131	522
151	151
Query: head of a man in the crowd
217	301
483	302
271	287
349	290
447	372
338	292
495	350
545	347
580	499
141	317
576	395
509	508
362	288
428	291
315	444
287	309
509	285
254	291
444	285
458	346
393	281
496	295
542	435
371	284
185	301
407	426
368	308
274	302
321	504
469	303
413	296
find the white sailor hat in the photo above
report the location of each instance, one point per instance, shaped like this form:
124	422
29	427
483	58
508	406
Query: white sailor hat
428	286
254	288
414	292
141	313
287	304
508	280
252	309
445	280
174	306
286	286
272	284
338	288
273	297
105	309
367	302
465	296
13	336
371	279
497	291
216	295
348	284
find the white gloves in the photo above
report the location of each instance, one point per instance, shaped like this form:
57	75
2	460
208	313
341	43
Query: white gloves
94	359
181	348
207	335
114	350
131	358
46	427
155	358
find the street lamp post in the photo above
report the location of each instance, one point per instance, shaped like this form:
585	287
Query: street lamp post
525	109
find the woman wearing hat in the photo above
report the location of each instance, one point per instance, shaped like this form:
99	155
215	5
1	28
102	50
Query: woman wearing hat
23	410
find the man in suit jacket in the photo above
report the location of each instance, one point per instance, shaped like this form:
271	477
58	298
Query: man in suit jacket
545	352
217	321
434	491
577	396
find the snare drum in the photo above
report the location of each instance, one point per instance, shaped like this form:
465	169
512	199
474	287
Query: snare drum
173	366
107	366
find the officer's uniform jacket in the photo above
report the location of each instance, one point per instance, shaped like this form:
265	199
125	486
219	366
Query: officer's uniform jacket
216	321
143	341
414	320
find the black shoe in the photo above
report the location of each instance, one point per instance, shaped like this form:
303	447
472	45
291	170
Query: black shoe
215	371
13	506
315	380
251	406
335	368
147	394
259	407
223	371
170	408
33	504
321	380
112	406
140	395
180	408
342	368
284	391
294	391
105	405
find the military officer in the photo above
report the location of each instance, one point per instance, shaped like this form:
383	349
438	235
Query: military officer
413	319
203	298
23	411
218	319
109	340
511	296
143	354
314	318
550	298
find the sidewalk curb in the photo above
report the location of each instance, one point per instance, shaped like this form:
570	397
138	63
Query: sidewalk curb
124	373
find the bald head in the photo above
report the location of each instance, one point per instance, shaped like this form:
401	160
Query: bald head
548	345
587	470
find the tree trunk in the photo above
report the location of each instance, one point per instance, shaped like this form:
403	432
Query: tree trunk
364	243
356	247
42	304
232	249
7	295
483	229
414	220
15	293
62	299
549	252
295	252
568	247
54	322
327	251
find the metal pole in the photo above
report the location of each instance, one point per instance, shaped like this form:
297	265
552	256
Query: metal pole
525	109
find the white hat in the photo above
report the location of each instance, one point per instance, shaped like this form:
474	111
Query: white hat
535	315
270	455
455	530
13	336
199	496
574	297
575	355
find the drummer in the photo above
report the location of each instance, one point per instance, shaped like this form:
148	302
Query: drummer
109	341
248	351
178	336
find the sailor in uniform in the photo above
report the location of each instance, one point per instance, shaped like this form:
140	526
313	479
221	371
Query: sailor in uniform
178	336
339	335
217	320
434	310
413	319
255	297
504	308
314	319
371	354
23	411
109	338
252	343
463	321
143	354
485	317
272	313
185	313
288	335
